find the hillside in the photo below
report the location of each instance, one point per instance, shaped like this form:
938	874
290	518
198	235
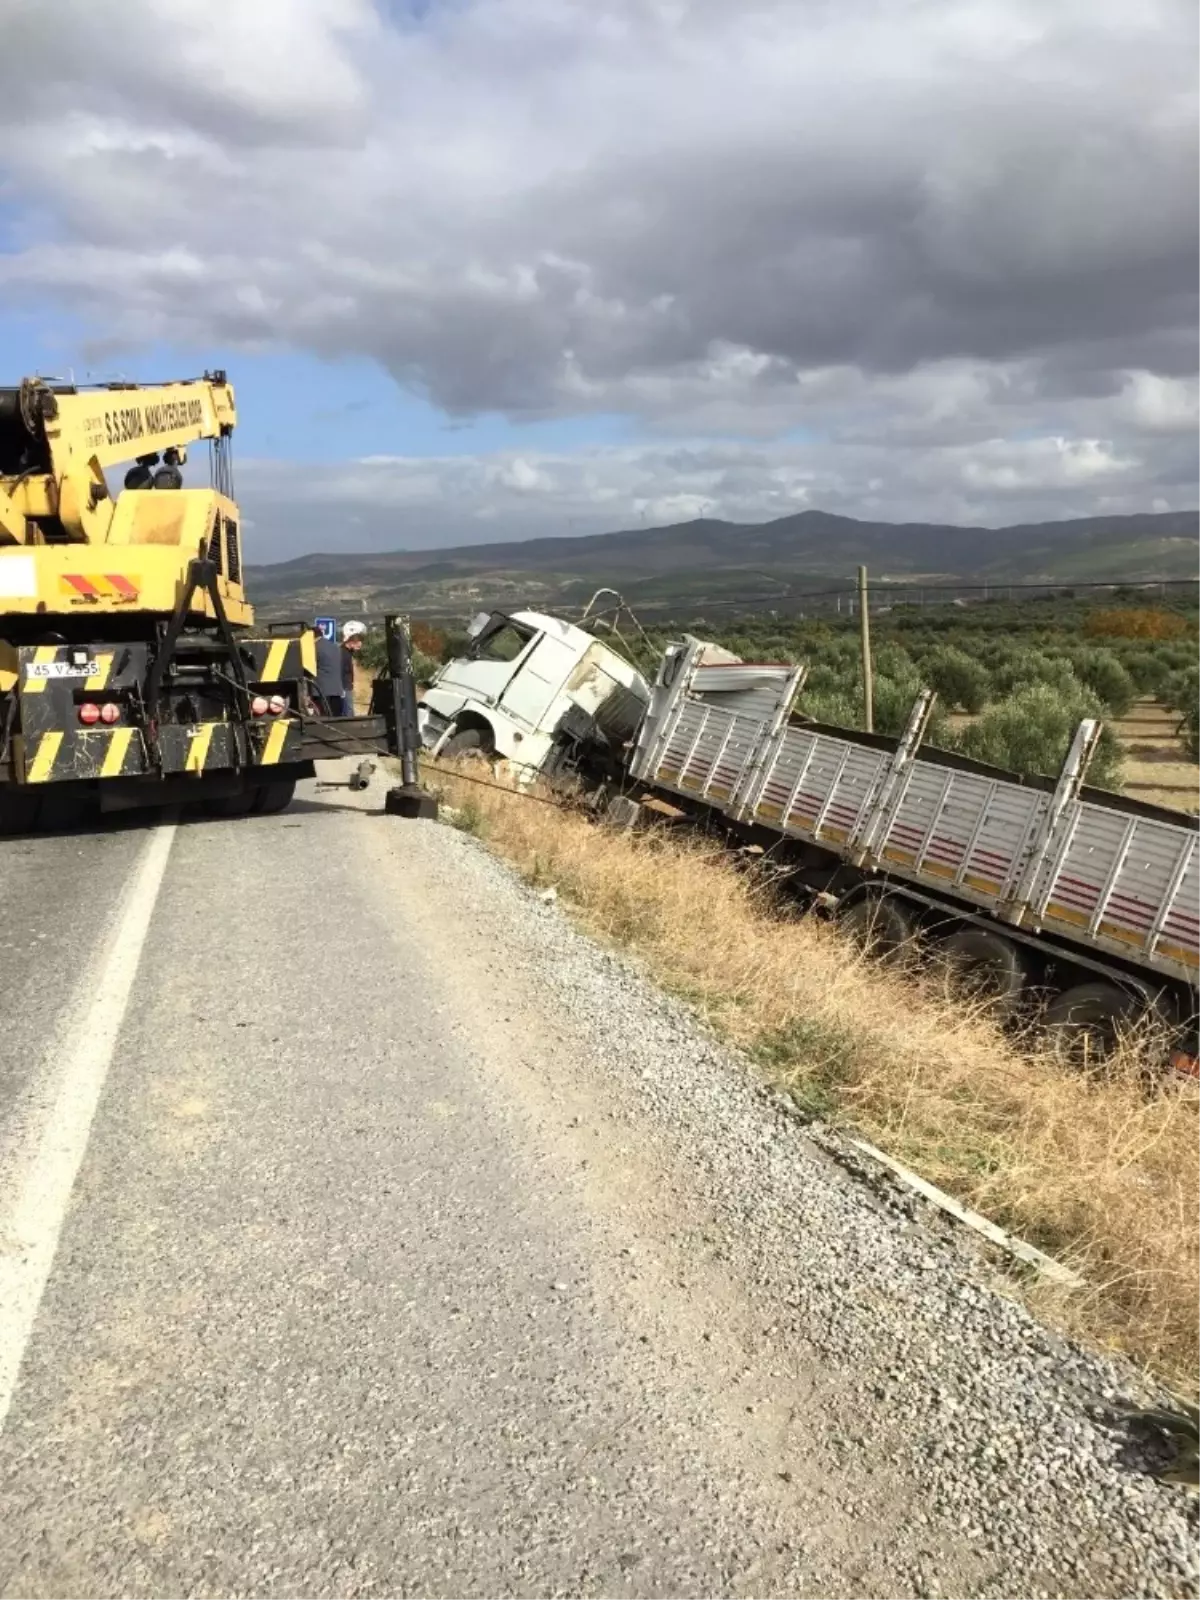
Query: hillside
691	562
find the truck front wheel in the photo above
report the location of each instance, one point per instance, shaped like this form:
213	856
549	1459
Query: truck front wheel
467	742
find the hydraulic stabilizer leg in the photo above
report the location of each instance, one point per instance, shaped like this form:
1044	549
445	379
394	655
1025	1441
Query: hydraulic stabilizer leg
407	799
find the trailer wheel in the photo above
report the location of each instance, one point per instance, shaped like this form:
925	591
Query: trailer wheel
990	966
273	797
1085	1023
878	924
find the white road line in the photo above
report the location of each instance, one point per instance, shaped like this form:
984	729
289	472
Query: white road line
45	1169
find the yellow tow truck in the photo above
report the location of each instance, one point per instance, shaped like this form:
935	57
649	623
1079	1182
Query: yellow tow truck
130	670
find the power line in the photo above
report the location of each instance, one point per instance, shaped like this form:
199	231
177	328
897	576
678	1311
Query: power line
897	591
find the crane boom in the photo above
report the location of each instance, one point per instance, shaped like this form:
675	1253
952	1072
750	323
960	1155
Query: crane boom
55	443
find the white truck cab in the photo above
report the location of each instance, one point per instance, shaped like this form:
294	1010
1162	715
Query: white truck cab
525	679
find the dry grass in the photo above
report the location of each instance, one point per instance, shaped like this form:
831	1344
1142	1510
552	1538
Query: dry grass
1099	1173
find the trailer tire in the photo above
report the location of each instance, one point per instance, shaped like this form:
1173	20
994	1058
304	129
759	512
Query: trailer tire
1085	1023
271	798
990	966
878	924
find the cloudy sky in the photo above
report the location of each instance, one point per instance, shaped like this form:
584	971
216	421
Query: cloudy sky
486	268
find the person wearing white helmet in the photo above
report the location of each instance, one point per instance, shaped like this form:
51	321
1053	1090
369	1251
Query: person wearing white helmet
353	637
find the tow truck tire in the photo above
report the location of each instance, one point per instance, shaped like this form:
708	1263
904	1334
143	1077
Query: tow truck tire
990	966
274	797
878	924
62	811
19	811
1085	1023
467	742
232	805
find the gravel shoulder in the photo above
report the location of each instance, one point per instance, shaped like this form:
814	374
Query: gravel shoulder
925	1433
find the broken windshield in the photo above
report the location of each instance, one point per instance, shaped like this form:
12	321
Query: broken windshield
502	640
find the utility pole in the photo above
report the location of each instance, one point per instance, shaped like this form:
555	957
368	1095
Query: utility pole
864	624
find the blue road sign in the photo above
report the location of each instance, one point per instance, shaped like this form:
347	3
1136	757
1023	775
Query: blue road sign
326	627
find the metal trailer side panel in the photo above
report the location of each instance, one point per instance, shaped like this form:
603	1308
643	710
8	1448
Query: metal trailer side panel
946	828
779	800
759	702
732	760
800	782
962	830
708	751
707	723
1119	882
819	786
1176	936
682	731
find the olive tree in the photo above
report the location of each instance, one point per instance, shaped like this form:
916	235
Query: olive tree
961	683
1031	730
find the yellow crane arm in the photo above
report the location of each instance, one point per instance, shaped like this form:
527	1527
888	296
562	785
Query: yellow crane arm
56	442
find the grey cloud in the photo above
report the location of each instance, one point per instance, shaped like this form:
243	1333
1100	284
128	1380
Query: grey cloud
242	74
916	224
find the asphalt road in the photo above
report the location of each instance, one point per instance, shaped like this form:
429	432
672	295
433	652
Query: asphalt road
366	1231
321	1313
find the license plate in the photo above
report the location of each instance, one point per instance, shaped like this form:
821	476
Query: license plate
62	669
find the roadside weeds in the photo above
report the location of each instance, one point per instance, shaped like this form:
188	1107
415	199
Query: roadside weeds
1093	1170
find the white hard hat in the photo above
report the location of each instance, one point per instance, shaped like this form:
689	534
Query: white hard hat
351	630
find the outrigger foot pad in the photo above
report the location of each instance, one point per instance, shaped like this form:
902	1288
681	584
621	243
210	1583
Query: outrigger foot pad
409	800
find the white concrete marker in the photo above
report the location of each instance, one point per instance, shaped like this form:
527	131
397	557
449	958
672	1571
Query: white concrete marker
34	1202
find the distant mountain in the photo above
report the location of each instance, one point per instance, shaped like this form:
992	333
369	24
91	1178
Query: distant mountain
688	562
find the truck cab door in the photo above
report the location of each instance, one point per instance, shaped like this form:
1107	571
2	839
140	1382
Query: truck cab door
535	687
494	657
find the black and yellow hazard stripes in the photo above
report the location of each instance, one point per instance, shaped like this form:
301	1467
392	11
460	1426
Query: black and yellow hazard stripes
53	745
40	757
214	746
276	742
81	713
60	754
276	660
199	745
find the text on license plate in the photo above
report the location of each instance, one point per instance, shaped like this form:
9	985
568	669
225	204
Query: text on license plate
62	669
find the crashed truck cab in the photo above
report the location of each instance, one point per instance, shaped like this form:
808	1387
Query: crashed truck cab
529	689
